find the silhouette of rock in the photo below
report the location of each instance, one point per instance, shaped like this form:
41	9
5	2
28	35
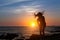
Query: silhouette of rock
9	36
51	37
21	38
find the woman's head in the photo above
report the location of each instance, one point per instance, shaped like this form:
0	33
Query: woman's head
40	13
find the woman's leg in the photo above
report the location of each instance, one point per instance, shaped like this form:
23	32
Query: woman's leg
43	30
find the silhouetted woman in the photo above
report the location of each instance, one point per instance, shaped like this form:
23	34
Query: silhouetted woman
41	22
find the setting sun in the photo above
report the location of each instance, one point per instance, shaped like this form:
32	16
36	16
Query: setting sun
33	24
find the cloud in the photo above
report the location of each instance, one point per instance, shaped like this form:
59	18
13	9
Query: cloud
27	9
22	9
7	2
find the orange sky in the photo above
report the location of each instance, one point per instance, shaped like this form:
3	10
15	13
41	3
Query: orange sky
27	19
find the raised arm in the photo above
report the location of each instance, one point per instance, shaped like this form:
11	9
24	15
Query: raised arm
35	14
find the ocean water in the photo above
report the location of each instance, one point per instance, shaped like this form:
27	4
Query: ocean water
25	31
21	30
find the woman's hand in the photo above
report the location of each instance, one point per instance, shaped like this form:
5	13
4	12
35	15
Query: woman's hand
34	14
